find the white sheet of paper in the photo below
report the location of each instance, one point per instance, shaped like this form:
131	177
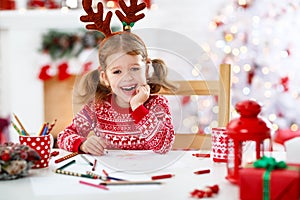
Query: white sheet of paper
128	165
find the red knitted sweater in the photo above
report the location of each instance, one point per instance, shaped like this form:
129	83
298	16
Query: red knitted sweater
149	127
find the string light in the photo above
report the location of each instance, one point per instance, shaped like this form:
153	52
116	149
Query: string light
235	80
228	37
195	72
267	94
227	49
215	109
236	52
236	69
247	67
265	70
275	127
294	127
243	49
111	4
272	117
268	85
246	91
195	129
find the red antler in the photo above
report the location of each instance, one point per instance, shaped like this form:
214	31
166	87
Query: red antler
130	16
97	18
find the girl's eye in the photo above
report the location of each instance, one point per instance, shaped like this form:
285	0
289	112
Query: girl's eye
117	72
135	68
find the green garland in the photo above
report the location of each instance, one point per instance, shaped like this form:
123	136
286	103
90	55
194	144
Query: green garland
70	44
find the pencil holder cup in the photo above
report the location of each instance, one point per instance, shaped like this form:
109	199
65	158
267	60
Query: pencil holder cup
219	146
42	145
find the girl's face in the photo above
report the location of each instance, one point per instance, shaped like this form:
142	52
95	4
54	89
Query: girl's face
124	73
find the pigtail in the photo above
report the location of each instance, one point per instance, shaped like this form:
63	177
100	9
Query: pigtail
90	87
158	79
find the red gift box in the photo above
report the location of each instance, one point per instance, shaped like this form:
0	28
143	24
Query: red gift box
284	184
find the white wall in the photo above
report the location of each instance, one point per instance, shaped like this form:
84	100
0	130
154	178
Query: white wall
20	35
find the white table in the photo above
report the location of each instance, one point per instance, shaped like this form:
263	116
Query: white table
44	184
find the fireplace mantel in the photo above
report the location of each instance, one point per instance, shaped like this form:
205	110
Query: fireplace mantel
21	92
40	19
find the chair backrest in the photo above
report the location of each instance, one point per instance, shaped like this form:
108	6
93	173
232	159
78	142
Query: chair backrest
220	88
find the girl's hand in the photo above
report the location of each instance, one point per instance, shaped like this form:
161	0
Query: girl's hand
142	95
93	145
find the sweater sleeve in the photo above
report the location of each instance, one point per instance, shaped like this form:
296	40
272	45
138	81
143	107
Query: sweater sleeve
139	113
156	125
75	134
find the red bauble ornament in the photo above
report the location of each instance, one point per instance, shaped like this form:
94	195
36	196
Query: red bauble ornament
250	76
284	81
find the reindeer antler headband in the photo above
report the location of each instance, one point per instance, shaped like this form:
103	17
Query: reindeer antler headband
103	25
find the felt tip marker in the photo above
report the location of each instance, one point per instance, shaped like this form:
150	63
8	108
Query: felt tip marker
162	176
201	155
205	171
86	160
66	165
94	165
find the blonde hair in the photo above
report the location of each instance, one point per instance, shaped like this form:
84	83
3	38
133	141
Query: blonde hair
128	43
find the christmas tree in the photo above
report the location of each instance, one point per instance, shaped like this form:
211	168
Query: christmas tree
260	40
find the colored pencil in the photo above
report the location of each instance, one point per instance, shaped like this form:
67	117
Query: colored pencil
105	172
45	129
42	129
66	165
104	178
94	185
66	157
162	176
16	128
84	158
51	126
58	171
23	133
130	183
205	171
21	125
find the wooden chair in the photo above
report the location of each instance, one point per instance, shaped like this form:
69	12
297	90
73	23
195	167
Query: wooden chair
221	89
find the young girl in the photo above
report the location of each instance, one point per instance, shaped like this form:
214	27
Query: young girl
122	110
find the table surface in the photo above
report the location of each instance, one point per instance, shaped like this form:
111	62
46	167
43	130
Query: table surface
45	184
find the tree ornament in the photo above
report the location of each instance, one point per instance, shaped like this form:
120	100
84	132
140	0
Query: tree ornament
284	81
208	191
250	76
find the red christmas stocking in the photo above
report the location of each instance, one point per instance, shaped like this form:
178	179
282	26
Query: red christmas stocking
63	71
44	73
